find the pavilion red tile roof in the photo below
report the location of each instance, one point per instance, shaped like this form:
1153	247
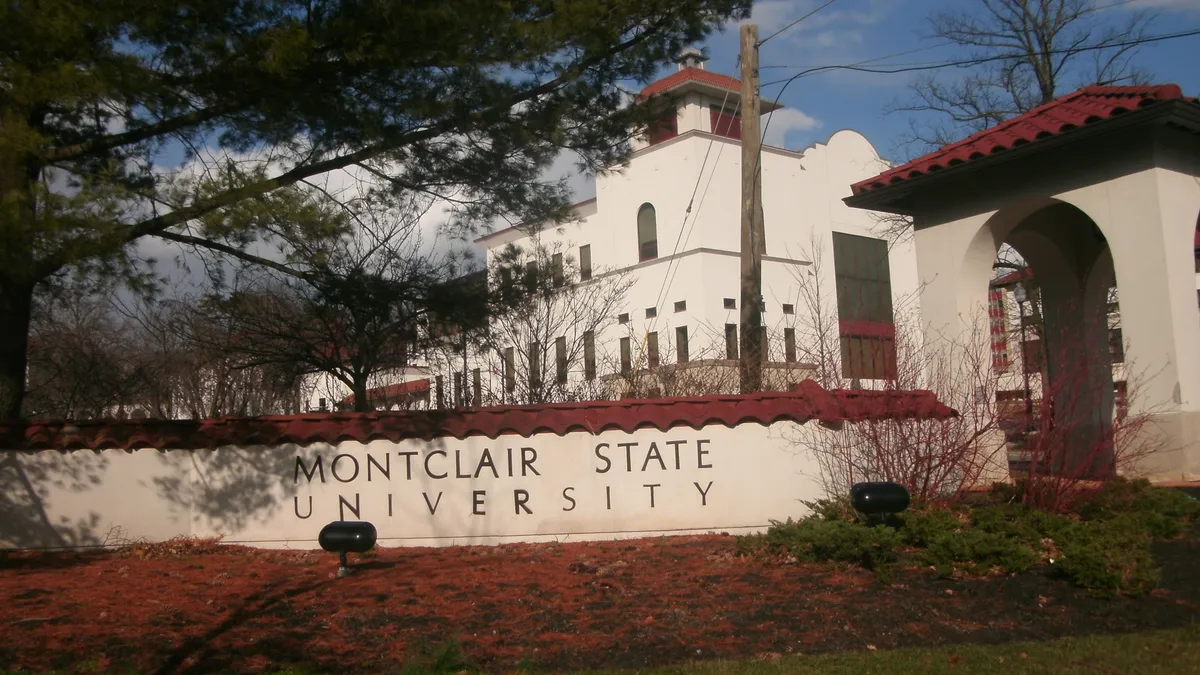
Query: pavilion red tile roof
687	75
807	402
1060	116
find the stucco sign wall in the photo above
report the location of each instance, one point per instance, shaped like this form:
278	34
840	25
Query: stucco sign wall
517	474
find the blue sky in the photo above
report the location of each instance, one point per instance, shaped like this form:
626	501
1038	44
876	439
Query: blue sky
850	31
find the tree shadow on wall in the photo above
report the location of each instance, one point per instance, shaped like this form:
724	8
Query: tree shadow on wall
230	488
26	482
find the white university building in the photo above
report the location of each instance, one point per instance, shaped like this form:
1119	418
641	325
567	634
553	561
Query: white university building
652	270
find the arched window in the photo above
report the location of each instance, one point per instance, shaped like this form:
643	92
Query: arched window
647	225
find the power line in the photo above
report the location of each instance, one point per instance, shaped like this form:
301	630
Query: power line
764	40
874	59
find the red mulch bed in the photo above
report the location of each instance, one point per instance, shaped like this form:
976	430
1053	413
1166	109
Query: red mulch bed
550	606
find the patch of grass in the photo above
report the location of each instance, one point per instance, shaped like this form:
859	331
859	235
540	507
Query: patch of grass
1167	652
439	659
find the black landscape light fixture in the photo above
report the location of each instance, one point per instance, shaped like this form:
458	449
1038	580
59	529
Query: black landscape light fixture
343	537
876	500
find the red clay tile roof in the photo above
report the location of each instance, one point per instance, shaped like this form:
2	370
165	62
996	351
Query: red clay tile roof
1086	106
692	75
393	390
809	401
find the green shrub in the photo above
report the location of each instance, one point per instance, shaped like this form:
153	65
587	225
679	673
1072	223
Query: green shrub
977	552
814	540
1163	512
1012	521
439	659
838	508
923	526
1108	557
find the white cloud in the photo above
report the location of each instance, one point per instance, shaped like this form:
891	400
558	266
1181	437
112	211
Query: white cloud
785	121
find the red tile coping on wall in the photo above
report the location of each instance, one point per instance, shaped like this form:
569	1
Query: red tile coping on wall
393	391
807	402
1077	109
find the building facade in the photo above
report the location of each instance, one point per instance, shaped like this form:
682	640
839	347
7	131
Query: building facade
650	270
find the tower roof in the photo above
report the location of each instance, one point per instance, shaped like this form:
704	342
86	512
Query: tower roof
703	81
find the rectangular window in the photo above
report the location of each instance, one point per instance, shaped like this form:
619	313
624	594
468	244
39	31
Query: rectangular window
626	357
789	309
585	262
560	360
652	349
458	388
864	297
531	279
730	303
681	344
731	341
556	266
681	306
589	355
725	124
651	312
510	370
476	387
623	318
789	345
440	383
535	366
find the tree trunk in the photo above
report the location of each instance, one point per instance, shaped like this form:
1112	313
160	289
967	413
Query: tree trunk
16	307
361	404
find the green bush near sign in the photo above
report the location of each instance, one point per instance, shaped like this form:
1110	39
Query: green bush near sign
1104	545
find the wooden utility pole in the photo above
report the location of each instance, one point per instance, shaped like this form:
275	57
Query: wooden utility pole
753	234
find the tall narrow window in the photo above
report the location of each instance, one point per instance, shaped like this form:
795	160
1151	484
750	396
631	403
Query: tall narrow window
626	357
585	262
560	360
535	366
681	344
652	349
789	345
476	387
531	275
510	366
731	343
589	355
556	266
864	297
458	388
647	227
440	383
